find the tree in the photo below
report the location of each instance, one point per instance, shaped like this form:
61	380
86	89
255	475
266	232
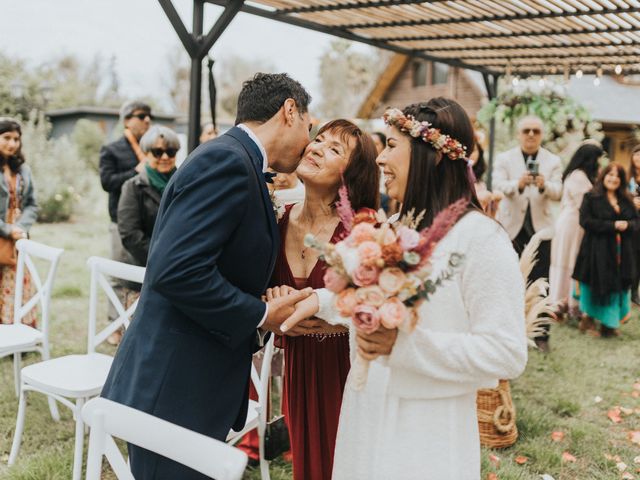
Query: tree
346	76
230	75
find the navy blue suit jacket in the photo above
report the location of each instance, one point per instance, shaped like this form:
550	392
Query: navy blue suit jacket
186	356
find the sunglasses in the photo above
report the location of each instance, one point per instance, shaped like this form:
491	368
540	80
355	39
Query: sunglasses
158	152
141	116
529	131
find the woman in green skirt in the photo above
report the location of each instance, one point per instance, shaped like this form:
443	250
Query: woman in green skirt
606	264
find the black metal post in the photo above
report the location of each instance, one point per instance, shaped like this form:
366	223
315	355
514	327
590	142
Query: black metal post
195	94
491	84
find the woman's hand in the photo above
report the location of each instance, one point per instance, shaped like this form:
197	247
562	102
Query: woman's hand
276	292
306	327
621	225
636	202
380	342
17	233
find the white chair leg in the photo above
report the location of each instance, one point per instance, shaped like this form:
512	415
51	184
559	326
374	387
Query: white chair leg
96	448
77	453
16	371
17	436
53	408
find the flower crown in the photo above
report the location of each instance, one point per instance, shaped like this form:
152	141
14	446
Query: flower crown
438	140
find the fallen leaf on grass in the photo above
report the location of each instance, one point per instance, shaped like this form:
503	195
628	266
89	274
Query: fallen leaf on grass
520	460
636	459
627	476
557	436
635	394
492	476
626	411
636	386
614	415
597	399
494	459
635	437
621	466
567	457
613	458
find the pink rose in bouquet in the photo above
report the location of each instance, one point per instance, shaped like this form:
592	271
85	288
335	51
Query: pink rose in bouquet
362	232
373	296
335	282
365	275
408	238
392	313
369	253
366	318
392	280
346	302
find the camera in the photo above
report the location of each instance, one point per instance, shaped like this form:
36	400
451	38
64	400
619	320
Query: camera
532	166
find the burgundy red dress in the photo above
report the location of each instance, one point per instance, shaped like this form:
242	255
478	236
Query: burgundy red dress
316	368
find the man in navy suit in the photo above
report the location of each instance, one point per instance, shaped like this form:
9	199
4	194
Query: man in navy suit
186	357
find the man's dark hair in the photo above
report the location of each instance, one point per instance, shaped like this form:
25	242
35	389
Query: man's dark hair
263	95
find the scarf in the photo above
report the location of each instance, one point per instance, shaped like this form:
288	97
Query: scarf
158	180
133	141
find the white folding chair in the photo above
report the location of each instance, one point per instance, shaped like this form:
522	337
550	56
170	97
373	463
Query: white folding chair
258	411
79	377
18	338
109	419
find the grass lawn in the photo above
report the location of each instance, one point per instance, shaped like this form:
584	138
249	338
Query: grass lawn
559	392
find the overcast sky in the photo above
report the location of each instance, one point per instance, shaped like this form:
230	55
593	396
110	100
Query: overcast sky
140	36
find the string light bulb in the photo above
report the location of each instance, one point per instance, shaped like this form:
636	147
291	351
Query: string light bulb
618	69
515	81
579	73
596	81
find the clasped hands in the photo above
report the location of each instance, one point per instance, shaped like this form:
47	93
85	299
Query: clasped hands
292	313
529	179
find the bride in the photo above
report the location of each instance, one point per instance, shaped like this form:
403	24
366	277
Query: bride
416	416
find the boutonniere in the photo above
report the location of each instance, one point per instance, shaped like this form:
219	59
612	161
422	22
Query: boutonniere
276	205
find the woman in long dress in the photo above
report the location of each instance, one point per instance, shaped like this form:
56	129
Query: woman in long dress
316	353
18	212
577	180
416	416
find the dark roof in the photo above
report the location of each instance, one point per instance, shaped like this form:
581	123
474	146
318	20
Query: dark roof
72	111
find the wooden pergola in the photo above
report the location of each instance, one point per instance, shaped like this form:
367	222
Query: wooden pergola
494	37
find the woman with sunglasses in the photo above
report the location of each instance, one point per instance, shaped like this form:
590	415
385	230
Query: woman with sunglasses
140	198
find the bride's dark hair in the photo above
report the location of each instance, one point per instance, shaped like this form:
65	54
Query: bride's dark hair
434	181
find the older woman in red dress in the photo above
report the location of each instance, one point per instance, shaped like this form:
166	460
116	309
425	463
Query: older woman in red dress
316	353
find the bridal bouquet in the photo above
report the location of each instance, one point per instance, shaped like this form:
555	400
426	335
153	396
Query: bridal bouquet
380	273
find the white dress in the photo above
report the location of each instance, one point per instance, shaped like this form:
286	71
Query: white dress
416	417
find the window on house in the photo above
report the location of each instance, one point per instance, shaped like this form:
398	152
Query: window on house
419	73
439	73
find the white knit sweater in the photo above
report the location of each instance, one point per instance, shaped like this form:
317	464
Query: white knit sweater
471	332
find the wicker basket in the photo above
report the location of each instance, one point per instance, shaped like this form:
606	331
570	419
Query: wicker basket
496	416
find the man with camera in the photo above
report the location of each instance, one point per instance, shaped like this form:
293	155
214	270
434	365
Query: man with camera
530	177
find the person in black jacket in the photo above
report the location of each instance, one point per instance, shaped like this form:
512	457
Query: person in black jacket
120	161
140	198
606	264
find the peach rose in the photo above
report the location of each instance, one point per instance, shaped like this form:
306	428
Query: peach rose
369	253
388	237
346	302
373	296
363	232
366	318
392	280
365	215
334	281
365	275
408	238
392	313
392	254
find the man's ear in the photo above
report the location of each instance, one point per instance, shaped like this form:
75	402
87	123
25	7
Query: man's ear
290	109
